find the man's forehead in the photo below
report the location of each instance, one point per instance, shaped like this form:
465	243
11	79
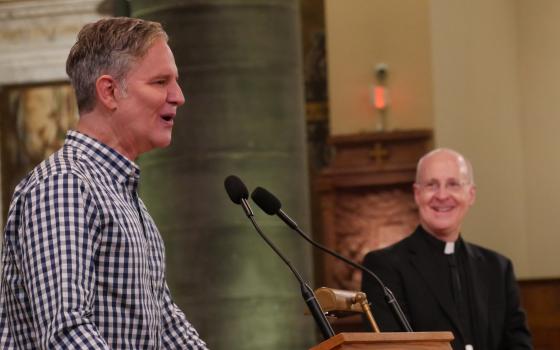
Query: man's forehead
152	64
444	179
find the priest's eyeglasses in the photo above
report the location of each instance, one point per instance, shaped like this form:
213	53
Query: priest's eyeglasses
451	186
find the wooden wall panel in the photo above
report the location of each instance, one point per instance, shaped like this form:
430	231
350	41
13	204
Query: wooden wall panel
541	300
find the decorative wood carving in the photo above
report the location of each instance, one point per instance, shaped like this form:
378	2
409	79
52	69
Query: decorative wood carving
365	198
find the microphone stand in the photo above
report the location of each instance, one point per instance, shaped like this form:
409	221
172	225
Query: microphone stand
271	205
306	291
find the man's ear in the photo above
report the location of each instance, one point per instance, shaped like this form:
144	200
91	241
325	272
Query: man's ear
416	190
105	87
472	194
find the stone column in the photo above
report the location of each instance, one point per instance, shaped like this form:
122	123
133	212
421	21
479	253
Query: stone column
240	68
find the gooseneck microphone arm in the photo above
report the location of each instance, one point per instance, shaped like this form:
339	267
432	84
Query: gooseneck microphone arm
306	291
389	296
272	206
238	194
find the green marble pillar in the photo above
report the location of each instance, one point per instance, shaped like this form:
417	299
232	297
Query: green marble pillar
240	68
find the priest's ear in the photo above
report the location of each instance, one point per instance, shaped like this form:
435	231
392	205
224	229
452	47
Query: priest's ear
107	89
471	194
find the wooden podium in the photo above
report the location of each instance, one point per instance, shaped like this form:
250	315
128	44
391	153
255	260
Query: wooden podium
388	341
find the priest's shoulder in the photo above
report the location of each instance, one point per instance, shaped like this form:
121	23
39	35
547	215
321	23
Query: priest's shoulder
390	252
487	254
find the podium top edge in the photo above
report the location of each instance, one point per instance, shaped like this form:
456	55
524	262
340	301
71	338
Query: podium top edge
388	337
398	336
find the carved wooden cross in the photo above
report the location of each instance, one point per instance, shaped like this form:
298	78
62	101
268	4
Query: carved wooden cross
379	153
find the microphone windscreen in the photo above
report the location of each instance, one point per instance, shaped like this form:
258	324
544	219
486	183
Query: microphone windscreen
236	189
266	201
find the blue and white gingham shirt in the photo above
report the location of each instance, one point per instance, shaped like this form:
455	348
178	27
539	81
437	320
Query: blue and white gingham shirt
82	260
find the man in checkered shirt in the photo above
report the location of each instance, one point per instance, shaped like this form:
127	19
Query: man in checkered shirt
82	260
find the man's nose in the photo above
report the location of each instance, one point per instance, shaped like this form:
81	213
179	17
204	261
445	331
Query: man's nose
442	191
175	95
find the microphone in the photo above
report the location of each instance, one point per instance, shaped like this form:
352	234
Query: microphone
237	192
272	206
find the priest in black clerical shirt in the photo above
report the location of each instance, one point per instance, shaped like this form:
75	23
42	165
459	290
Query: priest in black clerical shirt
442	282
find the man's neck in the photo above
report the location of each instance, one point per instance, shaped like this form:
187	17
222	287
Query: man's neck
97	125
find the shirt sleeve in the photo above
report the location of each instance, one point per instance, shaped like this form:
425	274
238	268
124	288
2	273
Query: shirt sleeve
59	237
178	333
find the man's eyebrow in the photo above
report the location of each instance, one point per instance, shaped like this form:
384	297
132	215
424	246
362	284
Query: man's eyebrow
162	75
165	76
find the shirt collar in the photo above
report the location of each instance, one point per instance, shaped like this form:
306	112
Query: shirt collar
116	165
438	245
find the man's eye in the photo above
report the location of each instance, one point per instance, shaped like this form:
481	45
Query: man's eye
432	186
453	185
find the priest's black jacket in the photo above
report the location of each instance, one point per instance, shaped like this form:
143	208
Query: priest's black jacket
409	270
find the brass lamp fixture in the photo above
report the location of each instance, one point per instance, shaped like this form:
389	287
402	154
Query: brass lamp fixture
338	302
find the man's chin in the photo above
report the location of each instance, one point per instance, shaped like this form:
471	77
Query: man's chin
440	227
162	142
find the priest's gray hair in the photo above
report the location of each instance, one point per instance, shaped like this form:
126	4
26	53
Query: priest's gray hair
464	163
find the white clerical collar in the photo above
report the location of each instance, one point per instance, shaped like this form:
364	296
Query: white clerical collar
449	248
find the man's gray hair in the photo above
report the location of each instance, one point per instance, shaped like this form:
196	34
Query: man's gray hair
108	46
464	163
